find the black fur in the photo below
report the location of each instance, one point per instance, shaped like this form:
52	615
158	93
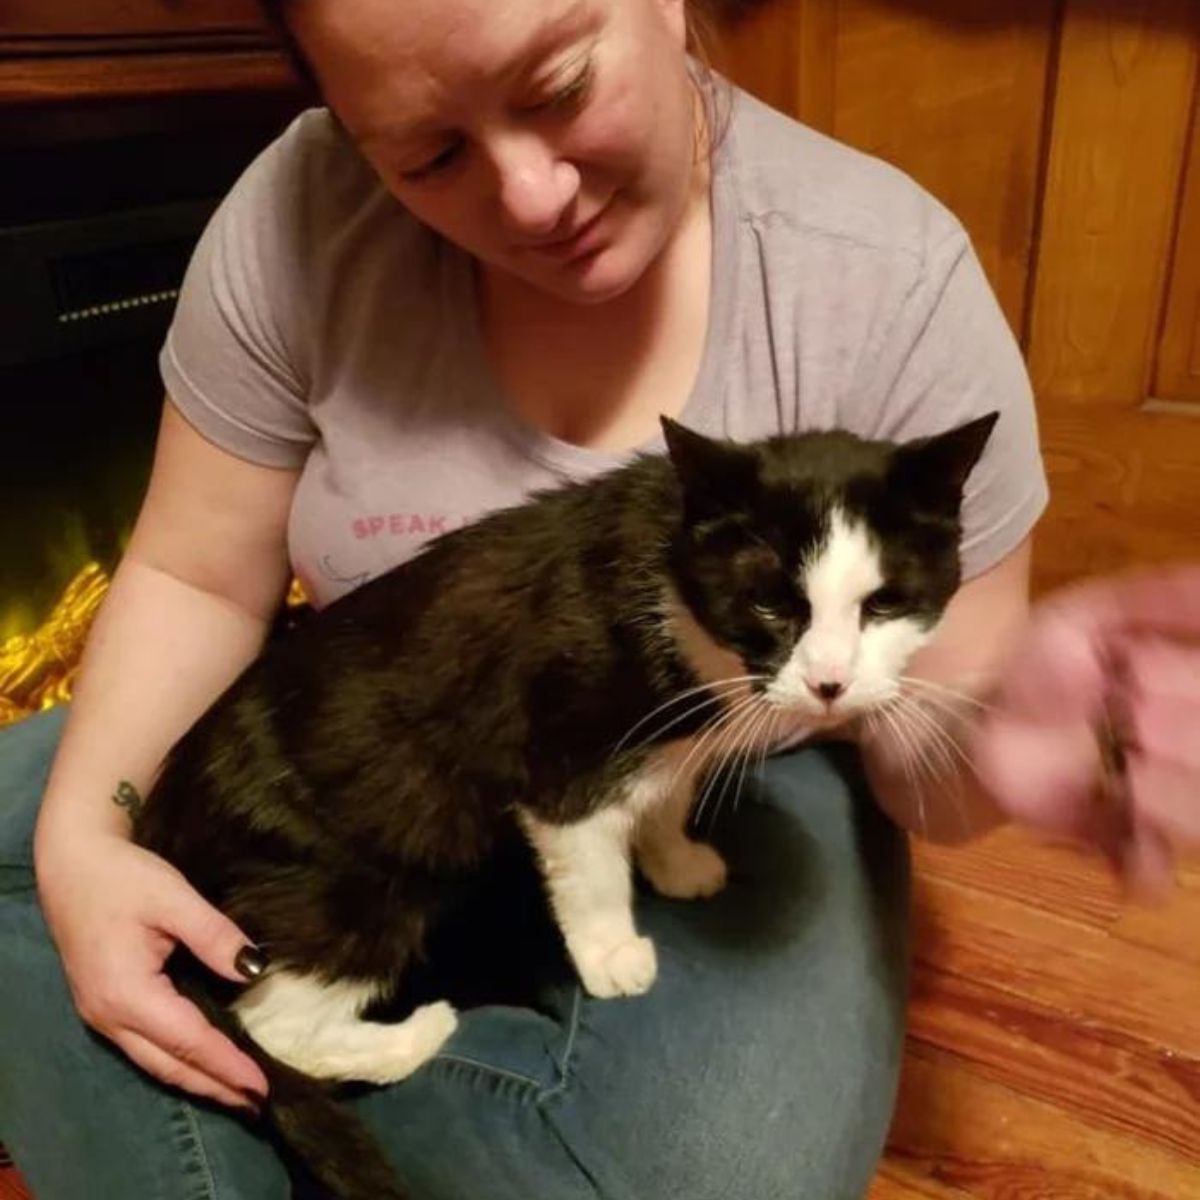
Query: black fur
363	770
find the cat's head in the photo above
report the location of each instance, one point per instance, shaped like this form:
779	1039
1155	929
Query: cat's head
820	562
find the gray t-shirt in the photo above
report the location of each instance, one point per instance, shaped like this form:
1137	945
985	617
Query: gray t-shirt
321	326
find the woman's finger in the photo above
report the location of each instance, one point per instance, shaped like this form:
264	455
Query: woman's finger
1164	602
1162	667
174	1024
176	1073
1056	674
208	933
1164	729
1146	865
1167	796
1041	775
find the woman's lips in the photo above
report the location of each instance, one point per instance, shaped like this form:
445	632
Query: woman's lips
582	241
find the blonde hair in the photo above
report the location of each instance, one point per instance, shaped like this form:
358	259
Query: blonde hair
713	94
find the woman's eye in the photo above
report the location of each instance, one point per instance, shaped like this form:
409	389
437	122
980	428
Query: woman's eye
572	94
885	602
438	163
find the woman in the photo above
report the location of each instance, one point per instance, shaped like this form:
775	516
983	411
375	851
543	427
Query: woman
528	228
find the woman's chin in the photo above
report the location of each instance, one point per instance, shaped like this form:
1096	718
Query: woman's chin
593	279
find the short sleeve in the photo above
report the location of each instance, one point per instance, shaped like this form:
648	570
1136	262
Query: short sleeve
234	359
949	356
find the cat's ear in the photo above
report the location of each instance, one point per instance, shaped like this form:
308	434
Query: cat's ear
933	471
715	476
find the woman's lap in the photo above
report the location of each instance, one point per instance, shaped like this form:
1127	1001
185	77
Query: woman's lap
762	1064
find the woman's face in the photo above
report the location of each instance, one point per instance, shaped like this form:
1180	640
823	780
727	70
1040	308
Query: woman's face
552	139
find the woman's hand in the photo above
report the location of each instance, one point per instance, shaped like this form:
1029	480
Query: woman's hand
1120	654
116	912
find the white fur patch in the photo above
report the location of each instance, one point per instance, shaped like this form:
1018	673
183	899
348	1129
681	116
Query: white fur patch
586	868
838	647
316	1028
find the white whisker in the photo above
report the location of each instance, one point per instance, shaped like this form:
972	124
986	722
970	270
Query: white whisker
946	746
762	740
713	693
727	716
938	730
744	747
901	738
718	759
949	693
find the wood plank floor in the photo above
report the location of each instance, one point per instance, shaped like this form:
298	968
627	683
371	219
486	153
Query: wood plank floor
1054	1034
1054	1046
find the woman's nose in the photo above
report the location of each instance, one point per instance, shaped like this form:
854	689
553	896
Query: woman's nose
535	186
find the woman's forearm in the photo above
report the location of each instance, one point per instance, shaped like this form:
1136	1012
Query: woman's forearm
160	651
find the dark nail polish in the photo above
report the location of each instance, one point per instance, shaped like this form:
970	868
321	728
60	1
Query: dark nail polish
250	962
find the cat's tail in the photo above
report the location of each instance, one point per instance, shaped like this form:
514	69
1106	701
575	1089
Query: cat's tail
335	1147
302	1114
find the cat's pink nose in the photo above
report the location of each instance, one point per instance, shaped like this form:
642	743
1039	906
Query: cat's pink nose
828	691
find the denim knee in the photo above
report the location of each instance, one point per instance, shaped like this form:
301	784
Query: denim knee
26	752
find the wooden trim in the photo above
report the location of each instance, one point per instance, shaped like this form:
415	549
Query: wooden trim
102	47
1172	408
1045	138
101	18
1178	369
88	79
816	63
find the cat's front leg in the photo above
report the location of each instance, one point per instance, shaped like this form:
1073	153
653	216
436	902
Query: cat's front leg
675	865
586	868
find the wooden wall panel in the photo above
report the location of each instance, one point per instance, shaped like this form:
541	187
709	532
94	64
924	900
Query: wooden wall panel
1178	375
954	94
1057	131
783	53
1125	480
1125	491
109	18
1121	118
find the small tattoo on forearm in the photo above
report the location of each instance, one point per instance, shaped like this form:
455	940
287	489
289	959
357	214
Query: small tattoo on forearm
127	797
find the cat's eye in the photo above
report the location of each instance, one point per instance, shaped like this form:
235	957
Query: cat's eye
767	612
885	602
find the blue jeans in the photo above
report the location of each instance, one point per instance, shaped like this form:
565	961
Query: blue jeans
761	1066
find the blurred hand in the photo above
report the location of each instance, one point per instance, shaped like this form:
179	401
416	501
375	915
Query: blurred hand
1121	649
116	912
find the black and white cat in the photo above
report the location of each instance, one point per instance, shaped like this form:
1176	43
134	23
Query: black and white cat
565	672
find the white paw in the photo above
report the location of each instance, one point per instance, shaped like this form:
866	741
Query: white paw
432	1025
684	870
625	968
413	1042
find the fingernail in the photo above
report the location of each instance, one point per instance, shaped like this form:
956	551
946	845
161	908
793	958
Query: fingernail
254	1101
250	962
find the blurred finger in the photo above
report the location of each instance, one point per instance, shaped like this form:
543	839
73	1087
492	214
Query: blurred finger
1163	667
179	1028
1164	729
1041	775
1058	672
176	1073
1146	866
1167	796
1163	602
